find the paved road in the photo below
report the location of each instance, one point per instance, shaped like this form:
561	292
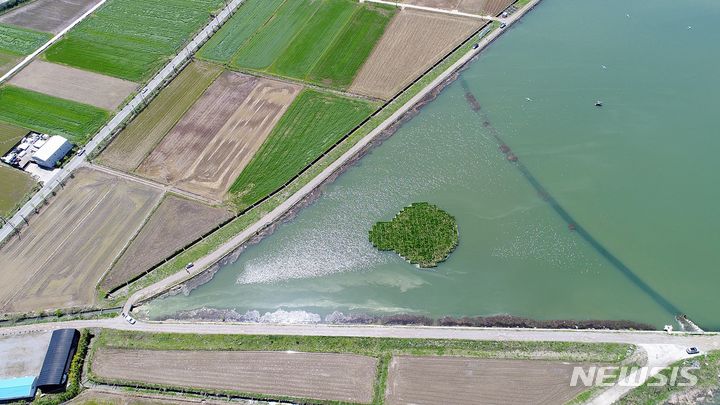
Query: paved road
435	10
155	84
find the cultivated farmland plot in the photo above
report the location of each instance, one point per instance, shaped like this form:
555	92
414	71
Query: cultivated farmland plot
7	62
21	41
135	142
15	184
174	224
464	380
219	135
323	376
74	84
132	39
58	259
482	7
47	15
411	44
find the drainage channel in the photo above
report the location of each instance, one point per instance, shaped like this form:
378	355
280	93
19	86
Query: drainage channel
572	224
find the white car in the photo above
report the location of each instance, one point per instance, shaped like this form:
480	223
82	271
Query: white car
129	318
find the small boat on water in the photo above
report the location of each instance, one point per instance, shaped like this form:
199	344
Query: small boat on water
598	103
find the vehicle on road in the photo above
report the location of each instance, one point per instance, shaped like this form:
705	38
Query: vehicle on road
128	318
692	350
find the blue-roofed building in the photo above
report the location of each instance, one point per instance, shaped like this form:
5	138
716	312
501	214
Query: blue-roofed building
17	389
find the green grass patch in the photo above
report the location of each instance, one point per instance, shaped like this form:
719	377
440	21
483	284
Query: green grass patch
21	41
313	123
132	39
251	15
341	62
50	115
422	234
272	39
707	374
312	41
7	62
15	186
10	135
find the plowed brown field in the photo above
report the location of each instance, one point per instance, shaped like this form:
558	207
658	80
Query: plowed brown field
324	376
466	380
175	223
47	15
411	44
58	259
74	84
219	135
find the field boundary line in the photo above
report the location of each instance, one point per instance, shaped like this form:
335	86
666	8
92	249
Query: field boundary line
229	246
129	110
403	6
12	72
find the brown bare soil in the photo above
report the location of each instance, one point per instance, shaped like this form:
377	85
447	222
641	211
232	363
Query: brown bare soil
47	15
174	224
74	84
59	257
466	380
411	44
97	397
218	136
483	7
323	376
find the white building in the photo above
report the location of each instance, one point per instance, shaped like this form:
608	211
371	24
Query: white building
52	151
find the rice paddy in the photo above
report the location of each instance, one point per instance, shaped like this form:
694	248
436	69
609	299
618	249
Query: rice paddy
132	40
9	136
20	41
313	123
15	185
50	115
422	234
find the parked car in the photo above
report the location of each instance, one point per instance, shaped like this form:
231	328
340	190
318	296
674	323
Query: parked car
692	350
503	25
129	318
189	266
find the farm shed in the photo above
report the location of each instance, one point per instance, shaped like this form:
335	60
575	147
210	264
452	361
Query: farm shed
54	372
52	151
17	389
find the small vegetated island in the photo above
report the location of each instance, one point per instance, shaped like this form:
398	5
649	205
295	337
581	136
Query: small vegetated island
422	234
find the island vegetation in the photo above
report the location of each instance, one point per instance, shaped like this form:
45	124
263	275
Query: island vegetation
421	233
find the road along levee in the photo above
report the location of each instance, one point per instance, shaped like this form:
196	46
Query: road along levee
130	109
201	265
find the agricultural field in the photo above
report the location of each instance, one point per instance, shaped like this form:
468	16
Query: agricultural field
60	256
323	376
95	396
74	84
432	380
313	123
15	185
413	42
209	147
132	39
50	115
138	139
7	62
21	41
10	135
483	7
47	15
320	41
175	223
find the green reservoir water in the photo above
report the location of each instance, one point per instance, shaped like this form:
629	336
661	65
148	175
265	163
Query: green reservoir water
639	175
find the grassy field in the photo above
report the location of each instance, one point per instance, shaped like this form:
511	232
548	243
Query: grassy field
381	348
20	41
50	115
310	126
248	19
9	136
422	234
130	39
345	57
16	185
138	139
7	61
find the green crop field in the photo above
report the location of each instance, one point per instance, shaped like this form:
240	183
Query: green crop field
132	39
320	41
313	123
9	136
7	61
50	115
15	185
21	41
136	141
312	41
248	19
272	39
345	57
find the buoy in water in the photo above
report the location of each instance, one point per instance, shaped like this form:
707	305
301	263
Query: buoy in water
504	148
511	157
